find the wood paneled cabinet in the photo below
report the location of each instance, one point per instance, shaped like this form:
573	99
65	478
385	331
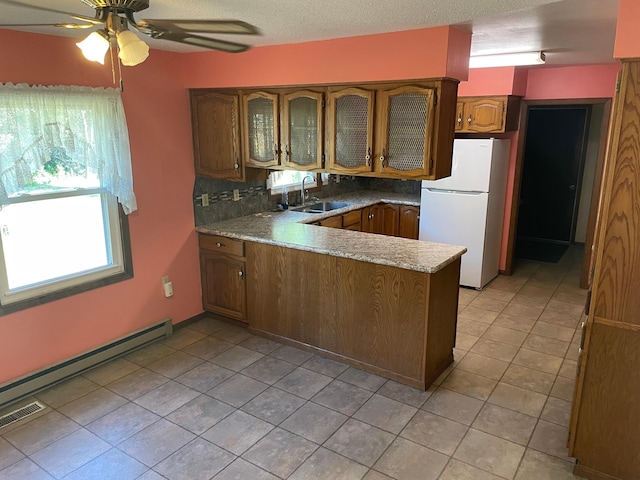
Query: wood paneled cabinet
350	130
394	130
261	129
216	134
409	225
487	114
398	144
283	130
222	270
370	219
302	130
405	131
605	419
389	219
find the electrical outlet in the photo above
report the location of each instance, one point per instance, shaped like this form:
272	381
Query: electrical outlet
236	195
205	199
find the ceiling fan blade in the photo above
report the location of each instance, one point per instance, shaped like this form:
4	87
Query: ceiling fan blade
200	41
201	26
34	7
59	25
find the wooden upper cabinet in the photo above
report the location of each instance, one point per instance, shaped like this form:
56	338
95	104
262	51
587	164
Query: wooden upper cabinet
350	130
405	131
260	129
302	130
216	136
487	114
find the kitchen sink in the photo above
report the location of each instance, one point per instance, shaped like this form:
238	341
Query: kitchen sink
320	207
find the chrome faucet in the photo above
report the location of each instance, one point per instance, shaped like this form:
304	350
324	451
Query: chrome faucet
302	193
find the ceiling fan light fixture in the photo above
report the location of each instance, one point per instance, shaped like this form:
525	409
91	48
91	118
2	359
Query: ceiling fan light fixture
507	59
95	46
133	51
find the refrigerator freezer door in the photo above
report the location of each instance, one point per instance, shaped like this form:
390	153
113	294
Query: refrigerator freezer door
470	167
458	218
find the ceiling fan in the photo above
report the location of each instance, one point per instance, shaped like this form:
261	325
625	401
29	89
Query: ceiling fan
115	16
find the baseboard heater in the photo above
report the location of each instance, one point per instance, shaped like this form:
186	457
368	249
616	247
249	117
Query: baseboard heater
47	377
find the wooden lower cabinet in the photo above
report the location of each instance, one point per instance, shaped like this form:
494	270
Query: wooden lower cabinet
370	219
390	219
223	277
390	321
409	226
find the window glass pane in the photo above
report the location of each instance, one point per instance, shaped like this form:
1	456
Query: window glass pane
53	238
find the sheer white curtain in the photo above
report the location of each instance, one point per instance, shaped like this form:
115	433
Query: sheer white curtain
84	126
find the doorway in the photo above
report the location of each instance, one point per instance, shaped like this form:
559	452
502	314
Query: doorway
591	181
553	162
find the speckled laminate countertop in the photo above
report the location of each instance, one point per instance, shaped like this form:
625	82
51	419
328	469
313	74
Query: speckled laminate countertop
291	229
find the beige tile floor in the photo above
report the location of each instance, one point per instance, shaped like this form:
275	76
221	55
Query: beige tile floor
216	402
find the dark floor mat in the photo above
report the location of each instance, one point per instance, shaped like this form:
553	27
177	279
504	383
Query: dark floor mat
540	251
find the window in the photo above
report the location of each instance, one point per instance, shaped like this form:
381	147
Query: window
65	185
292	179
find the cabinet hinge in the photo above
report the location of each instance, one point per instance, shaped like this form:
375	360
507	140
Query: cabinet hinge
324	103
568	436
435	99
430	163
618	85
323	159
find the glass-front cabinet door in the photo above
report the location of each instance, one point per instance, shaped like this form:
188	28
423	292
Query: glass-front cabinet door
261	147
350	125
302	130
406	119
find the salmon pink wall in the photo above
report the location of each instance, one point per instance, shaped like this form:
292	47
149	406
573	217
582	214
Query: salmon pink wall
424	53
590	81
627	45
488	81
163	240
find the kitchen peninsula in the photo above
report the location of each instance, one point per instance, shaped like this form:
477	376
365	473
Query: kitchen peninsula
385	304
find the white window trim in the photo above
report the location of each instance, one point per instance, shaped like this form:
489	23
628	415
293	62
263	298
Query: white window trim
113	235
296	186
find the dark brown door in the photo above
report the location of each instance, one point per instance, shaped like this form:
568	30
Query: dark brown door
409	221
390	218
554	154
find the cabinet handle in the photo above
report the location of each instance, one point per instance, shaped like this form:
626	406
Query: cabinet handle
382	157
275	151
460	120
219	244
236	166
241	273
469	120
368	156
286	152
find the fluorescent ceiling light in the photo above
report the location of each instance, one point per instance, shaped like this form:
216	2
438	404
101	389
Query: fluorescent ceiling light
507	60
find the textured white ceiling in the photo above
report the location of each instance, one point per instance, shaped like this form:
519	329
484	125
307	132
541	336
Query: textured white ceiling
571	31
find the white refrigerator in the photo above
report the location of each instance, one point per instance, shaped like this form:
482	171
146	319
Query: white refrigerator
467	208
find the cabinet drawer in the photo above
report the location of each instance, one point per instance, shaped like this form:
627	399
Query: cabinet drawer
225	245
351	218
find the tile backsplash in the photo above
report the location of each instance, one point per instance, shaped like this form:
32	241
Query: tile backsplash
255	198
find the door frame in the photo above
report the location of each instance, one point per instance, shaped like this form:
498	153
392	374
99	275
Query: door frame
597	182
